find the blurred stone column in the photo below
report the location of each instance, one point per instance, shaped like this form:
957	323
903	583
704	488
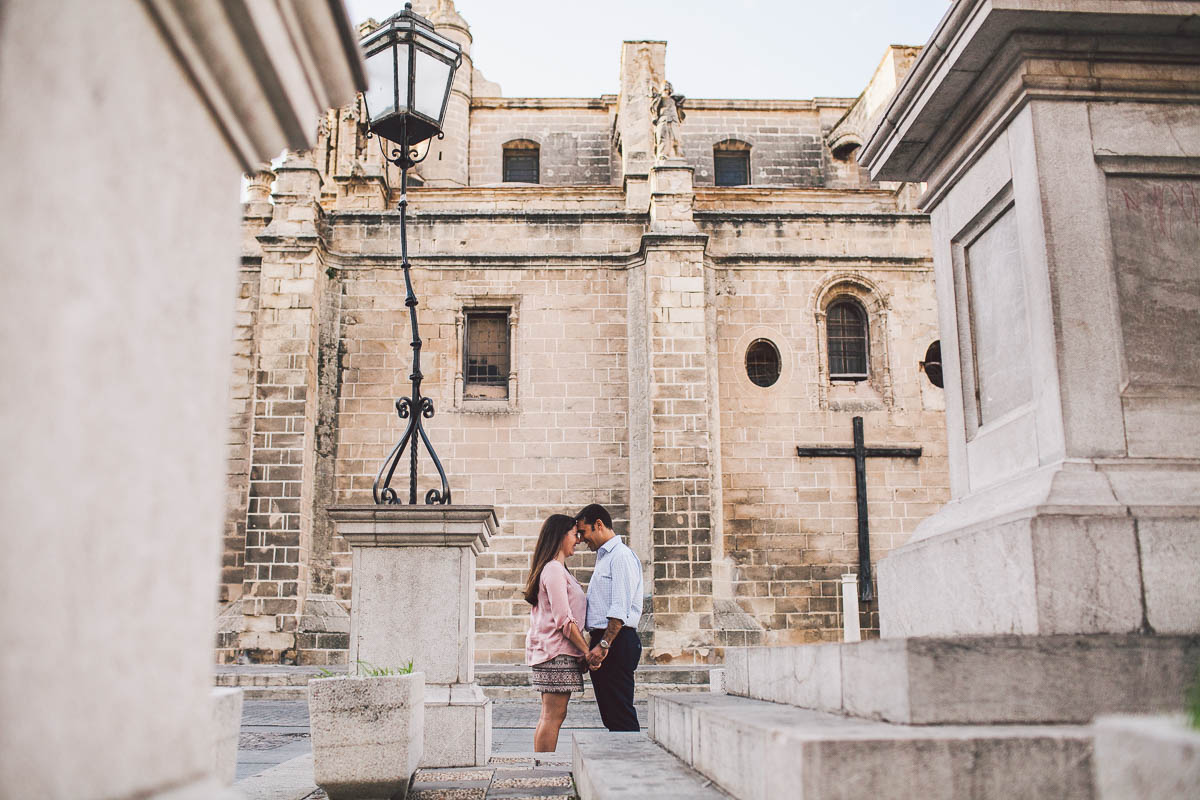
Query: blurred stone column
117	314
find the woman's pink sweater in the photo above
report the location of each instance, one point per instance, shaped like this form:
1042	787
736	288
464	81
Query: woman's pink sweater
560	601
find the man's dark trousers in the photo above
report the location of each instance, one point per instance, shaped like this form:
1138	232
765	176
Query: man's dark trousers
613	682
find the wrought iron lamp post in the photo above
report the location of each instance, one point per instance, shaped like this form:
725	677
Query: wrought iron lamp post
410	70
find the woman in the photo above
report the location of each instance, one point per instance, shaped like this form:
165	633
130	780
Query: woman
554	646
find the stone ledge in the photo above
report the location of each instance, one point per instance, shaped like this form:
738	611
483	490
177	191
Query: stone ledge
972	680
755	749
602	770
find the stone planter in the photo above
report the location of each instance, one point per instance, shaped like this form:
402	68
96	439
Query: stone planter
367	734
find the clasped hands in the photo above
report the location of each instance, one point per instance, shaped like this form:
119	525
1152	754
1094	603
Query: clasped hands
595	657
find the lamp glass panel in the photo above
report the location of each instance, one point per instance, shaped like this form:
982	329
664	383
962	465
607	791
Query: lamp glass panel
381	91
402	74
430	88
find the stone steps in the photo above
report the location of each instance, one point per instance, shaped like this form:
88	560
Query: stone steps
628	766
975	679
757	750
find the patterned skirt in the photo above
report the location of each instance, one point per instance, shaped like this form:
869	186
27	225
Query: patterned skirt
559	674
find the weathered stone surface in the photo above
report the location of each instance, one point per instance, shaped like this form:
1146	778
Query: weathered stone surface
1061	224
809	676
629	766
117	328
977	679
367	734
1146	757
428	617
757	750
629	329
458	726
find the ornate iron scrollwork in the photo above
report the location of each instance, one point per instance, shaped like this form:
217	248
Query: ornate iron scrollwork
415	407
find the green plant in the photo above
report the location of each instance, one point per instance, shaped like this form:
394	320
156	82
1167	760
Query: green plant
366	667
1193	702
372	671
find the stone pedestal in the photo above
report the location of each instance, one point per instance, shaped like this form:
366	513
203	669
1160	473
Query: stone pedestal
413	597
671	197
1061	154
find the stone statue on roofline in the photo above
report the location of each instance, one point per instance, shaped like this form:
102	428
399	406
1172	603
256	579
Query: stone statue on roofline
667	108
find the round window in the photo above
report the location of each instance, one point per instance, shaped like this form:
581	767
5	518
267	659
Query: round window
762	362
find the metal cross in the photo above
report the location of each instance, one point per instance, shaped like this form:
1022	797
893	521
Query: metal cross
860	453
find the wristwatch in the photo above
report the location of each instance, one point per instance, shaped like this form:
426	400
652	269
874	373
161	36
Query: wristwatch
603	645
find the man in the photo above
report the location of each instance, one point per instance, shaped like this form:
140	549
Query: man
614	608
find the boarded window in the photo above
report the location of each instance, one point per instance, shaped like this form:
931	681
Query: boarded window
846	326
486	360
521	162
732	167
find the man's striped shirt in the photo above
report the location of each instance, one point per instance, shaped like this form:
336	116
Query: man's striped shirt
615	589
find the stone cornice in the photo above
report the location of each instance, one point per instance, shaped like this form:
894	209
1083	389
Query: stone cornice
607	102
768	105
433	216
815	216
619	261
821	261
591	103
416	525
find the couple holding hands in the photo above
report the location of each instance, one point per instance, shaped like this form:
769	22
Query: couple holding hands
562	615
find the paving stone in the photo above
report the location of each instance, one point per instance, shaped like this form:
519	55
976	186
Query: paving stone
448	794
442	775
604	769
516	781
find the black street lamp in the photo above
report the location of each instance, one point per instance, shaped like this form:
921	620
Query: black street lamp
410	70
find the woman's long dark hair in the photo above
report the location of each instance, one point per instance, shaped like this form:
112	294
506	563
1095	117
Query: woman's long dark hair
549	540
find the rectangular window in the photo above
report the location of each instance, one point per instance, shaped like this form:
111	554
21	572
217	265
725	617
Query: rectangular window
732	168
487	356
520	166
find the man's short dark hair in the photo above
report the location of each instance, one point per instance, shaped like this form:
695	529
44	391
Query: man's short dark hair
593	512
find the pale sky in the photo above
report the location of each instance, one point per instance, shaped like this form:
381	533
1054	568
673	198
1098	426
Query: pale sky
793	49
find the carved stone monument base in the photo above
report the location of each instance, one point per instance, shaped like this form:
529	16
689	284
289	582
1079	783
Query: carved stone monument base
1078	547
413	597
1066	221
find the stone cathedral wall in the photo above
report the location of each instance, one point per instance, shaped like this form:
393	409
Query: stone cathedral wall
561	445
631	302
790	523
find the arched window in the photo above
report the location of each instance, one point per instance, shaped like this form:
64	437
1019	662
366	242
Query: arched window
846	329
521	162
731	163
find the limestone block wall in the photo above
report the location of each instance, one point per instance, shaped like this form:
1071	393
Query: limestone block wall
785	137
574	138
790	524
241	415
681	450
560	445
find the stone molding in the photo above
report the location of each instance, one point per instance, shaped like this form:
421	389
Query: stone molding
263	69
416	526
